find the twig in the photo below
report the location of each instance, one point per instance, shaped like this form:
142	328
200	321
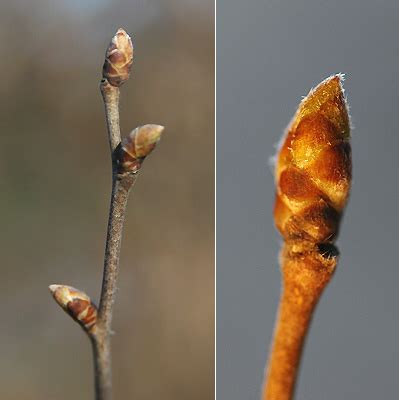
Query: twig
102	341
313	175
127	158
111	102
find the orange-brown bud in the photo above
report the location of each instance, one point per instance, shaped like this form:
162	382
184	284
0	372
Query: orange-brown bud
313	171
136	147
118	59
77	304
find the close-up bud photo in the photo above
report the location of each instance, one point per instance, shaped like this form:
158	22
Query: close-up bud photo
313	177
306	200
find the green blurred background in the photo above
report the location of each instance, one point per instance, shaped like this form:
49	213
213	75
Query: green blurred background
55	188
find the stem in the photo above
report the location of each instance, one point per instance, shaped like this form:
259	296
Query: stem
120	193
111	102
102	367
121	185
304	279
291	329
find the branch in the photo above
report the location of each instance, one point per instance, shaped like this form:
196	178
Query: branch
127	158
130	155
111	102
313	176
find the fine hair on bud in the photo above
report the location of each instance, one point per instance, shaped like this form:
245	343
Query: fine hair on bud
137	146
313	169
77	304
118	59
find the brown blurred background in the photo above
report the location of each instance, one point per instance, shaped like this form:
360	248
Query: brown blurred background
55	187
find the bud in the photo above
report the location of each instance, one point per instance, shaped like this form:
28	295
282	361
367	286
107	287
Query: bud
77	304
118	59
136	147
313	171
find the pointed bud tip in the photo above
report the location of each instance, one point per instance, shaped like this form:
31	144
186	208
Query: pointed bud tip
326	99
63	294
333	85
145	136
53	288
121	31
121	40
152	131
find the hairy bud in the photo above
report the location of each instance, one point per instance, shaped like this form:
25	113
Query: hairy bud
313	171
137	146
118	59
77	304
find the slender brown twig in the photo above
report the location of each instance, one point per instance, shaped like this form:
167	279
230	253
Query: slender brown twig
313	177
127	157
111	96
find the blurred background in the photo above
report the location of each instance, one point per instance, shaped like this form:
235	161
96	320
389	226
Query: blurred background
55	189
269	54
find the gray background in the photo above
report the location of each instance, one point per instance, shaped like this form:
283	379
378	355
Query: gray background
269	54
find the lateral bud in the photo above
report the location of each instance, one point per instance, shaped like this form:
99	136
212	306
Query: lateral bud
137	146
118	59
77	304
